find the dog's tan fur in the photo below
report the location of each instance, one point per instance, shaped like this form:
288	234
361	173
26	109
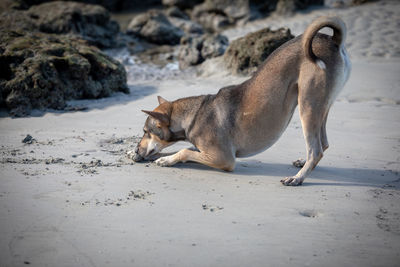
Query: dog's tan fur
245	119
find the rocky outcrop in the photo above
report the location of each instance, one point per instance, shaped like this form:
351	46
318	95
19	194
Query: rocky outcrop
163	27
245	54
196	49
40	70
154	27
90	22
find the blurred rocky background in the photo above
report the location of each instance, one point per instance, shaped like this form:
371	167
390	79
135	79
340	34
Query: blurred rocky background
55	51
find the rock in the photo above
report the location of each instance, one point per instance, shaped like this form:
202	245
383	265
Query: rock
215	15
190	52
234	9
245	54
214	45
176	12
285	7
6	5
196	49
181	20
40	70
90	22
28	139
288	7
261	8
154	26
181	3
187	26
13	19
112	5
213	22
123	5
361	2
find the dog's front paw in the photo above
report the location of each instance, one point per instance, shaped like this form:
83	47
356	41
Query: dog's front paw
292	181
133	156
165	161
130	154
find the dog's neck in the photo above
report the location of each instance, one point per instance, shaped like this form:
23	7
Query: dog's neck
178	123
182	115
177	136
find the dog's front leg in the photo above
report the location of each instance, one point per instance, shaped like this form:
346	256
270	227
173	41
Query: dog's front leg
168	161
214	160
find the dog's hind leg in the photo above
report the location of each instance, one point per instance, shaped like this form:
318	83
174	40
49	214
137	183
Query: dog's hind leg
324	142
324	137
314	151
313	102
215	160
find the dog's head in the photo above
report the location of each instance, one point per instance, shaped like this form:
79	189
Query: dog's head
157	134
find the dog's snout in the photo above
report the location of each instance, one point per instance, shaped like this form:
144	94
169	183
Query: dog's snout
137	156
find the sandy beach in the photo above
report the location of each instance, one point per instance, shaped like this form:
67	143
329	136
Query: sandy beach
69	196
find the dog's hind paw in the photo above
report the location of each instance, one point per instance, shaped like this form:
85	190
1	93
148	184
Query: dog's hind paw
293	181
165	161
299	163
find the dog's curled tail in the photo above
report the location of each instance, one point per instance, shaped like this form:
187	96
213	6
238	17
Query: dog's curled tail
339	35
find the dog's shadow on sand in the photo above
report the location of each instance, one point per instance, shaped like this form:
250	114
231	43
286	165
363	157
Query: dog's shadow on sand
326	175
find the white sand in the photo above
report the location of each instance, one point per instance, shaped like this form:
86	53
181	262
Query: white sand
346	214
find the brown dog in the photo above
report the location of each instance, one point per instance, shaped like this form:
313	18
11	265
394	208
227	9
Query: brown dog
245	119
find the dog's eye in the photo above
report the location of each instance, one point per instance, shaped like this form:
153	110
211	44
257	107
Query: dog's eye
146	133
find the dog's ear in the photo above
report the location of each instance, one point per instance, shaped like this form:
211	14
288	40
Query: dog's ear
160	117
161	100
